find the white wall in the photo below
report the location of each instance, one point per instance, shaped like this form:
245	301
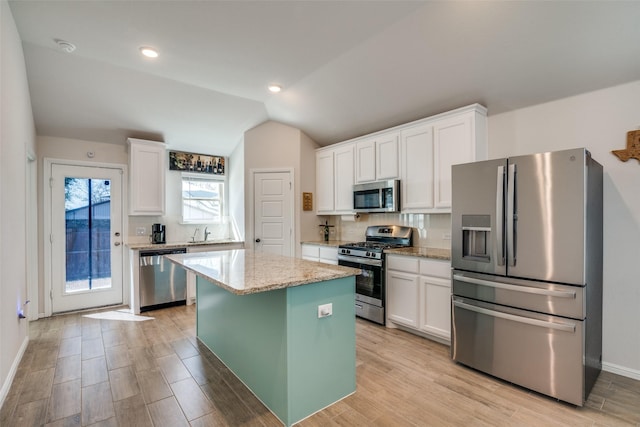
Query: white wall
309	221
17	138
598	121
236	189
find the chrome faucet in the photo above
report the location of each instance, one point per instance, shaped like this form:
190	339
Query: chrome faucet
195	233
206	233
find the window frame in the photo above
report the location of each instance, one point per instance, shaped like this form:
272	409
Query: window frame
221	199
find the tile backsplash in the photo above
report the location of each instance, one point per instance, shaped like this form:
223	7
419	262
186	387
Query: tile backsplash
429	230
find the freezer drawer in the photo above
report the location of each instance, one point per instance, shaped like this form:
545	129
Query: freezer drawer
542	297
539	352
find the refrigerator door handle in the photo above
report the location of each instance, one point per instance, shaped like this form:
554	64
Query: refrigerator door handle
500	216
511	215
564	327
516	288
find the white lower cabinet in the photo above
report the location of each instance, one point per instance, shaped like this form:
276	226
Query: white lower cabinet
419	295
320	253
402	298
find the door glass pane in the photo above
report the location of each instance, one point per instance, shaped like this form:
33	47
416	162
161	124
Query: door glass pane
88	233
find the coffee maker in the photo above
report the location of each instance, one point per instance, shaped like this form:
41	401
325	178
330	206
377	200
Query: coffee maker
157	233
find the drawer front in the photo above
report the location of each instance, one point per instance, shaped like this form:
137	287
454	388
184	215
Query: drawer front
542	353
310	251
403	263
435	268
329	253
551	298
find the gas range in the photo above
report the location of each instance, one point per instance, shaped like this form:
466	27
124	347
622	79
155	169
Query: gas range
368	256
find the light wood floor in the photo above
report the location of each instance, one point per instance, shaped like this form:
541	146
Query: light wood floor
79	370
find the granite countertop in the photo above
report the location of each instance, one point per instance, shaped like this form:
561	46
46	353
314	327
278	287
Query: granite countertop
173	245
434	253
244	272
334	243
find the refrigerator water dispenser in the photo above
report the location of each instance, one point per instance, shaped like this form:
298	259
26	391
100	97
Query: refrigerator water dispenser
476	237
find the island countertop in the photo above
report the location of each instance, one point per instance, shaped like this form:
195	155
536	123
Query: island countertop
244	271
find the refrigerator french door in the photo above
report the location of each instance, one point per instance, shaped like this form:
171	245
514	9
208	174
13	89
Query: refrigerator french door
527	242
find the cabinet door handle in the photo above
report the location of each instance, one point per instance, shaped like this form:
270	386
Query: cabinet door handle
257	240
117	243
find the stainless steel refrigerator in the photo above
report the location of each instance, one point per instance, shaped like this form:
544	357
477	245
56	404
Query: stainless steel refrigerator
527	270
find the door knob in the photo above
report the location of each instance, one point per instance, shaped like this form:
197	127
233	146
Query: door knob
117	234
117	243
257	240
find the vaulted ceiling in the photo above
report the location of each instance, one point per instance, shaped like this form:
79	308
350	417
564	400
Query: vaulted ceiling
347	68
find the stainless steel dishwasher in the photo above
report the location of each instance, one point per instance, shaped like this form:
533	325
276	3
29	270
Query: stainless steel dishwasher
162	283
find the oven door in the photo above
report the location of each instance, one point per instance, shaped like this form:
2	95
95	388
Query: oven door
369	287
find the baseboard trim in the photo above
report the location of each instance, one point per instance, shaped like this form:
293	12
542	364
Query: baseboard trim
6	386
621	370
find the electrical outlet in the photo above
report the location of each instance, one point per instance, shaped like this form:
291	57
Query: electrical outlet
141	231
325	310
446	236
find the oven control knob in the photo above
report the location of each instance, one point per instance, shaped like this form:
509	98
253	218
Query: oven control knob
368	253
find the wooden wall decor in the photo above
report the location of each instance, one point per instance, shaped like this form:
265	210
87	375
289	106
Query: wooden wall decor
633	147
307	201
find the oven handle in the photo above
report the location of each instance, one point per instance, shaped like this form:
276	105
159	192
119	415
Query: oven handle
358	260
564	327
516	288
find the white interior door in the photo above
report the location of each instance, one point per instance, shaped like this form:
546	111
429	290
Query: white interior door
273	231
86	237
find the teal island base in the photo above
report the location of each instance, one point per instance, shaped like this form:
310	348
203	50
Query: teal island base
294	362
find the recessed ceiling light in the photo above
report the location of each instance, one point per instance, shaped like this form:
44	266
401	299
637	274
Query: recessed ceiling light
275	88
149	52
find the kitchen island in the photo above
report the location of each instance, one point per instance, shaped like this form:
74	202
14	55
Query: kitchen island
261	315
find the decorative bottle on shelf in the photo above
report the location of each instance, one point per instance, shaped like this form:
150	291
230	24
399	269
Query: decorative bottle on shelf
325	230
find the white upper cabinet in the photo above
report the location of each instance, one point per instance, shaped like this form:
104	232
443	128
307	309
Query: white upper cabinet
454	142
366	160
344	158
335	179
147	163
420	153
377	158
431	148
325	177
417	169
387	158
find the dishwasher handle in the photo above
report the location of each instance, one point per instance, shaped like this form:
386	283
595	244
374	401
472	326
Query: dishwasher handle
148	258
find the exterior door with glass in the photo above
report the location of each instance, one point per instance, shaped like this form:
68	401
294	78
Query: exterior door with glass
86	237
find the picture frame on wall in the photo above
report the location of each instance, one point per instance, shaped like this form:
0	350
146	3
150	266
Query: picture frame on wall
194	162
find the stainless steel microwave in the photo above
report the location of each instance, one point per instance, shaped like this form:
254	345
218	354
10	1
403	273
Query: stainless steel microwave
379	196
